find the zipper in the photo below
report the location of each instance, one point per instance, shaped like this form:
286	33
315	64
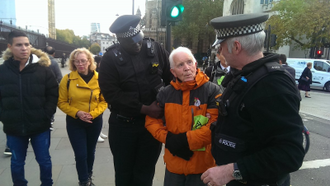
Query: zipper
21	99
90	100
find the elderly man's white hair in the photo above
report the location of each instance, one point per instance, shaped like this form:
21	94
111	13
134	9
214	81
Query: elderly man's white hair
179	50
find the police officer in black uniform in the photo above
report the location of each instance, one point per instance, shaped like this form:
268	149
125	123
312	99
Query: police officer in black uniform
257	139
131	73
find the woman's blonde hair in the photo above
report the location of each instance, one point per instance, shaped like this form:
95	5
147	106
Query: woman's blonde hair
78	51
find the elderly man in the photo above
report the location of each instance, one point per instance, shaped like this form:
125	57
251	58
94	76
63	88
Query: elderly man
131	73
257	139
190	96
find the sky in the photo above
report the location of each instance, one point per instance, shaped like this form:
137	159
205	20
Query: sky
76	15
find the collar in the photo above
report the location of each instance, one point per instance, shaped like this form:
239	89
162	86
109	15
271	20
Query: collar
199	80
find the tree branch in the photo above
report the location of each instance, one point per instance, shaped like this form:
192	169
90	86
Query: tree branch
294	39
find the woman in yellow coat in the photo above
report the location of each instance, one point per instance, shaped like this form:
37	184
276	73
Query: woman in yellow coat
81	99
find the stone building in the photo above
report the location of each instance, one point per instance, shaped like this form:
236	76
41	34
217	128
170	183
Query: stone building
103	39
151	21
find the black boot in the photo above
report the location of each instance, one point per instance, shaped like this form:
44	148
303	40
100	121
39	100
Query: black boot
85	183
90	179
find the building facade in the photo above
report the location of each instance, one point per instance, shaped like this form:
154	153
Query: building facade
95	27
151	21
103	39
8	12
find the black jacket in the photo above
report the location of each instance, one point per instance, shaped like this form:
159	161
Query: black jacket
129	81
28	97
306	73
291	70
263	129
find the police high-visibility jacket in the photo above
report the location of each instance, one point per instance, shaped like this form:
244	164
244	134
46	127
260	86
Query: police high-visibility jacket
79	95
178	100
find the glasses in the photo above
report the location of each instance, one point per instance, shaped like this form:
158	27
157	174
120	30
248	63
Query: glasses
83	61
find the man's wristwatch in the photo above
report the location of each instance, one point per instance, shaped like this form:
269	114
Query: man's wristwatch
236	173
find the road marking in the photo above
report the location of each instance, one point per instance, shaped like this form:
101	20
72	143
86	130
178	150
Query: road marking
314	164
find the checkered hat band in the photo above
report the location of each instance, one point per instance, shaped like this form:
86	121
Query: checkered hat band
238	31
130	33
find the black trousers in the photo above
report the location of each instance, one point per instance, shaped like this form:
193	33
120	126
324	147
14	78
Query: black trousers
135	152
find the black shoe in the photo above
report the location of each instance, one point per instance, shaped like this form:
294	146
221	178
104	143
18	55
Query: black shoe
308	97
84	183
7	152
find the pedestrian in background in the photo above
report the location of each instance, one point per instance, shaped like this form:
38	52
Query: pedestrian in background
29	94
97	60
305	80
187	146
54	65
55	69
257	139
81	99
219	70
63	60
131	74
282	61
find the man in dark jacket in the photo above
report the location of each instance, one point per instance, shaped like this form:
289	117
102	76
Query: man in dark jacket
218	71
29	93
252	142
282	61
130	76
54	65
55	69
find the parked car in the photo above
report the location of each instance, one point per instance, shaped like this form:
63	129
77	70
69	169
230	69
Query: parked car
320	71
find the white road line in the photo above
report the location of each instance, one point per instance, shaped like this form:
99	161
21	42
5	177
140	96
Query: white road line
314	164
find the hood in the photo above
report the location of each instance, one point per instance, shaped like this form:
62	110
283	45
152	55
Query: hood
38	56
200	79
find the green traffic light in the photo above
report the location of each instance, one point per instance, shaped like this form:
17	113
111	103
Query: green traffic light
175	12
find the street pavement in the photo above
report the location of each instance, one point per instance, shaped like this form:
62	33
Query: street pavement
64	171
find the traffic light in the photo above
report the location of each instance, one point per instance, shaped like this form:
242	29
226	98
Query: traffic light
319	53
273	38
174	9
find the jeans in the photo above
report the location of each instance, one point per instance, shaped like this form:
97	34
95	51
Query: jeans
40	144
135	152
83	138
172	179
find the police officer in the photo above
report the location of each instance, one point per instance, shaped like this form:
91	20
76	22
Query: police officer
257	139
219	70
131	73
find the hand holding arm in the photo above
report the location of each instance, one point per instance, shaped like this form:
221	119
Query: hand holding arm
153	110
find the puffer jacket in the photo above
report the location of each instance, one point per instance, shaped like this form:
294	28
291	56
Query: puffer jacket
178	100
28	98
80	95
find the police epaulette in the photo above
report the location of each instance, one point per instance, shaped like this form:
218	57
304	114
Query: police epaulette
115	44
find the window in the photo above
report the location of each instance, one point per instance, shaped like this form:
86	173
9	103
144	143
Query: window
321	66
237	7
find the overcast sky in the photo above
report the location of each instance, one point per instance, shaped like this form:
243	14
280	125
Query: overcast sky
76	15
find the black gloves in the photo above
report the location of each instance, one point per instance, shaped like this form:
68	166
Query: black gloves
178	145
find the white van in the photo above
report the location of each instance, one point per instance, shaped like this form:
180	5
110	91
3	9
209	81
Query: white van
320	71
